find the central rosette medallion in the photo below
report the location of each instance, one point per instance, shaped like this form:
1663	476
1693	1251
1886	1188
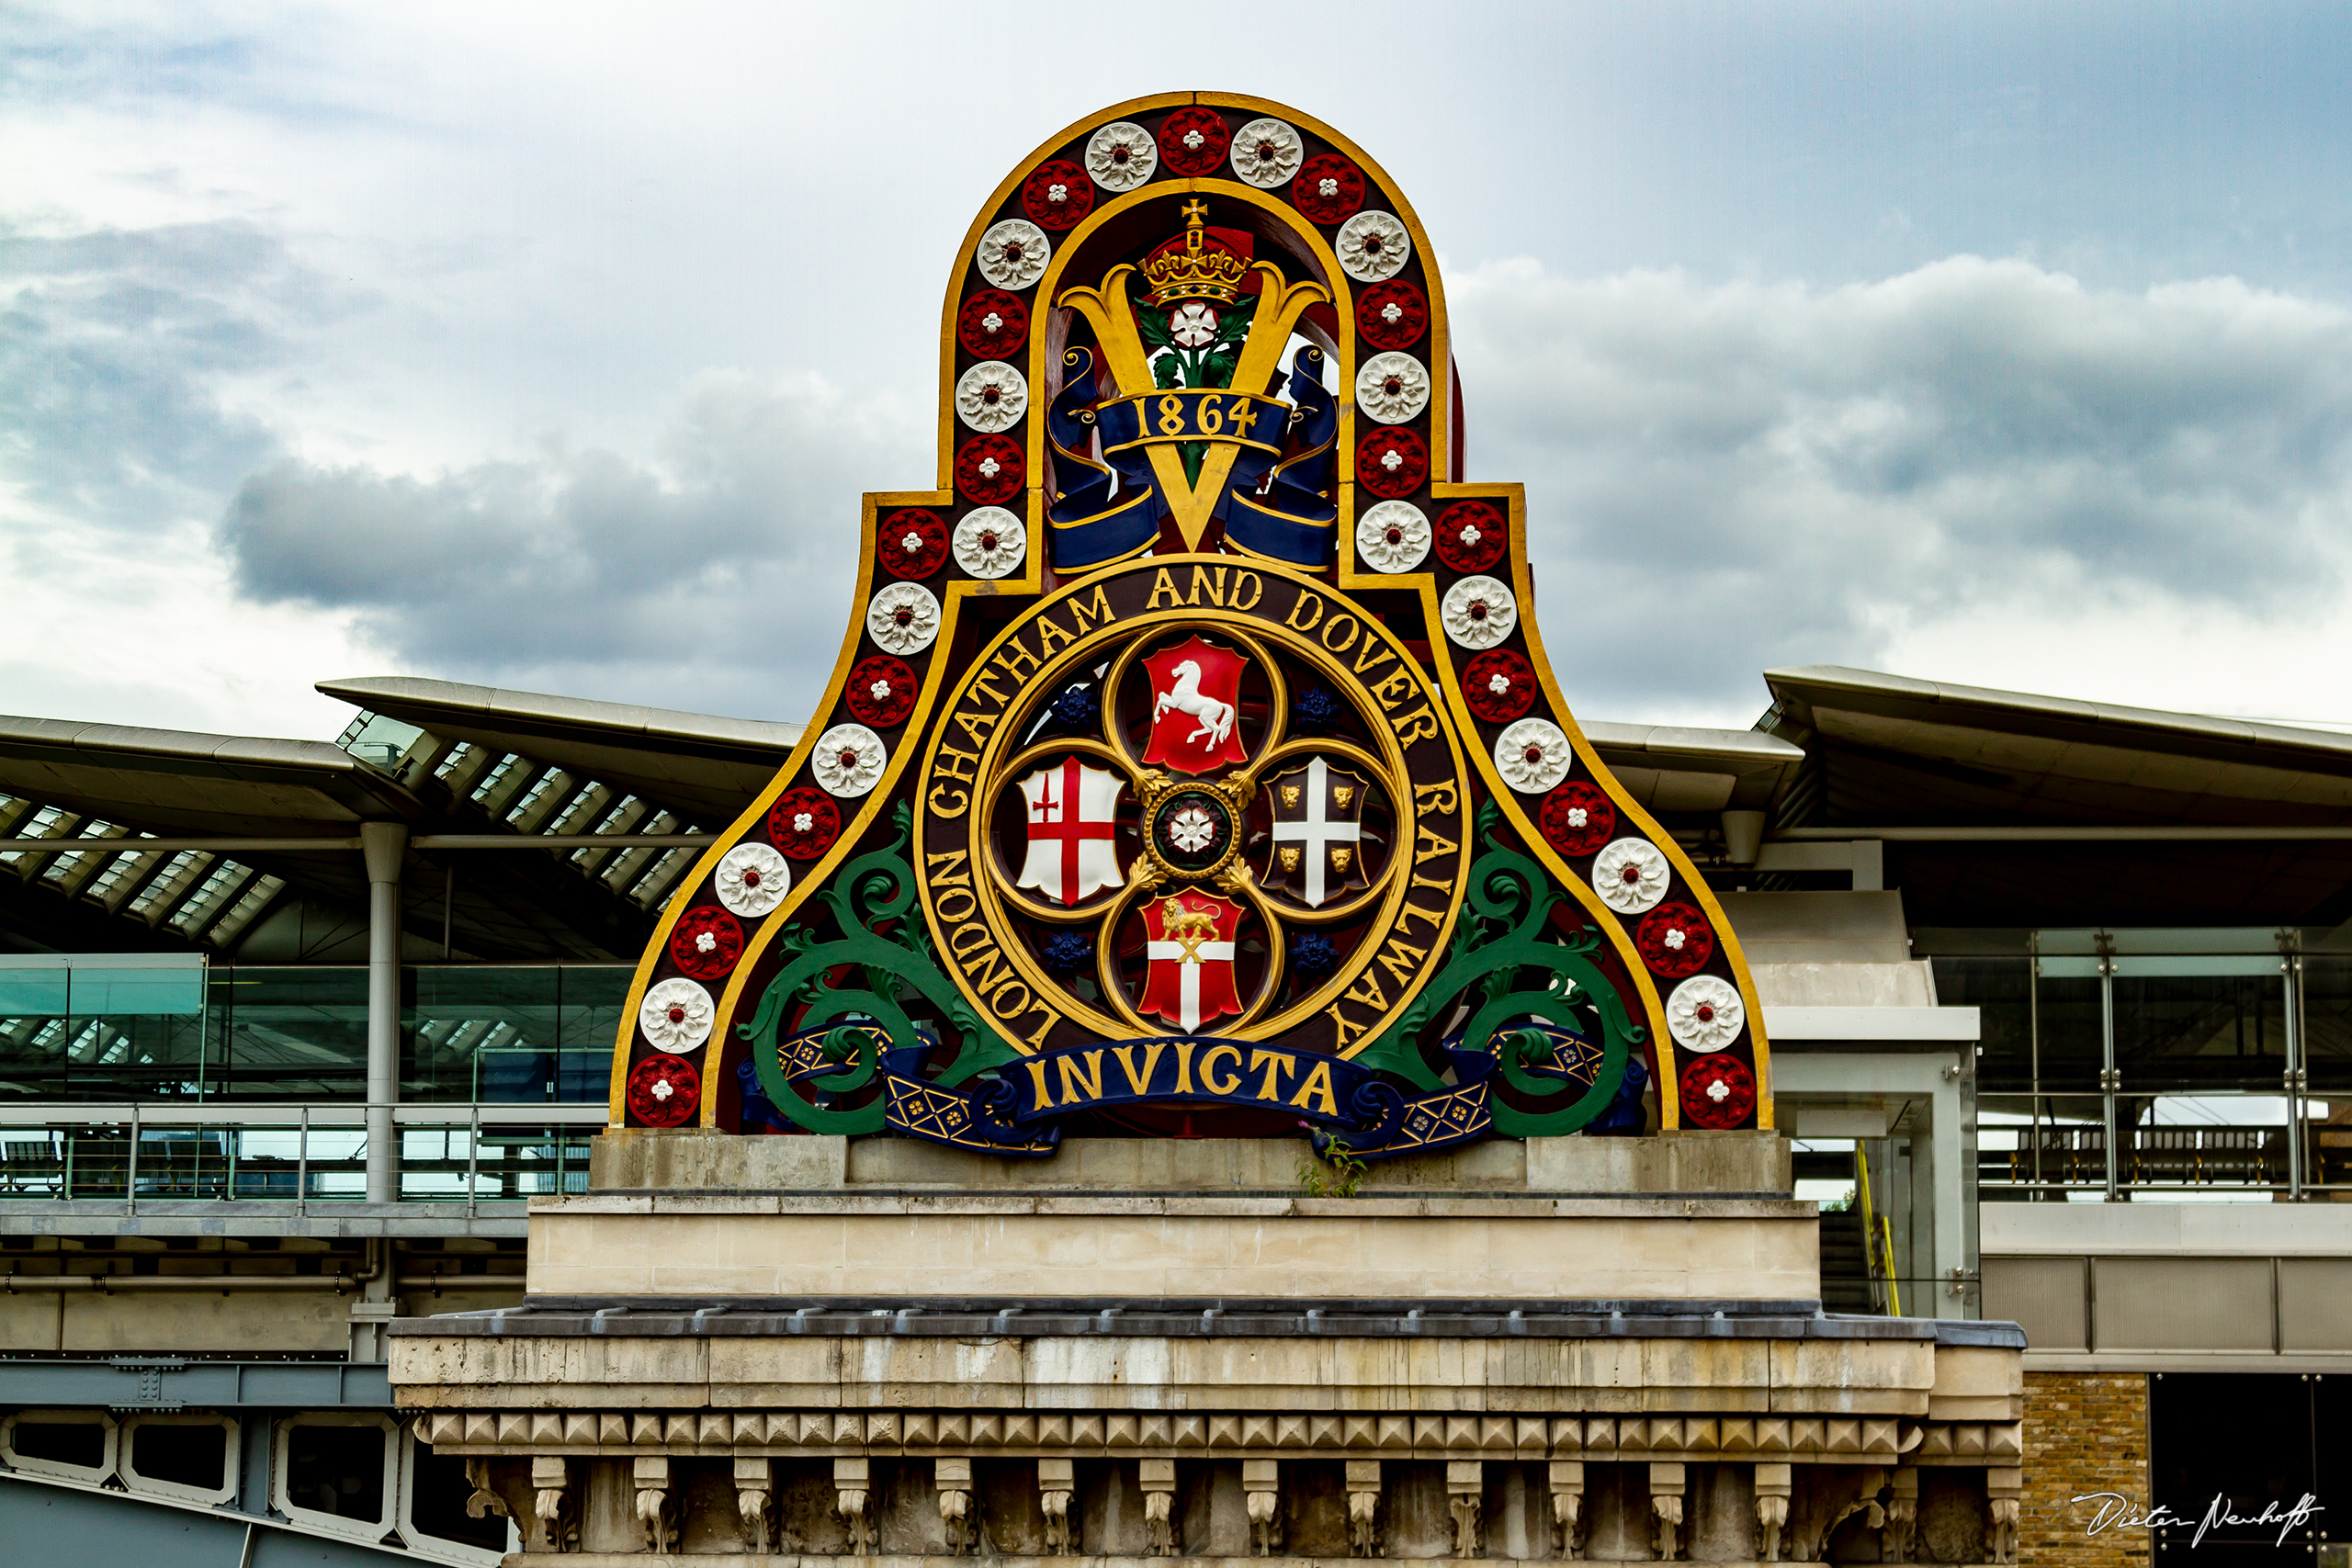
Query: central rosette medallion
1180	793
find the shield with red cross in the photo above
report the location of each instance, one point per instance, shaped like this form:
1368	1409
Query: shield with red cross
1196	707
1071	810
1189	950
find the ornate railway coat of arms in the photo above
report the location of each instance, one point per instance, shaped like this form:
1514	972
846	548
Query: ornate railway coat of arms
1192	751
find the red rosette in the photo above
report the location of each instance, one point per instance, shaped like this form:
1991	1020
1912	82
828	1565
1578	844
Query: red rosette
1336	205
1600	818
784	823
982	341
664	1090
1392	479
1392	315
1471	536
707	942
1718	1092
913	524
1077	195
1517	695
1655	939
882	691
1181	155
974	461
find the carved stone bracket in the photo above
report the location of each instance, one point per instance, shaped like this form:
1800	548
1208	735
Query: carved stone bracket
1054	1485
755	1500
1262	1482
852	1483
482	1502
1567	1508
1902	1518
1363	1507
1773	1485
555	1524
1666	1504
1465	1495
1157	1478
2002	1487
959	1521
656	1510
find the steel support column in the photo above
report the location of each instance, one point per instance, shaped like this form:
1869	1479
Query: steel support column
383	843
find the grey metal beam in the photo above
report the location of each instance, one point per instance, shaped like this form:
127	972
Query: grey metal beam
172	1382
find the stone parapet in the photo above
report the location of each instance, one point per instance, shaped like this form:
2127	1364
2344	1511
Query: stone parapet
699	1161
816	1244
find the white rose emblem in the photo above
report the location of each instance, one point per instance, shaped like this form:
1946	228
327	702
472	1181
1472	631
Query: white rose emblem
806	822
848	760
991	542
1192	324
1499	685
752	880
1392	388
991	397
1393	536
1266	153
676	1015
1121	157
1373	247
904	617
1532	755
1013	253
1630	875
1479	611
1704	1014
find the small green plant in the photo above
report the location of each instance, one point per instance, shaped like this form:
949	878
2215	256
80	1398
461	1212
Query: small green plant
1343	1178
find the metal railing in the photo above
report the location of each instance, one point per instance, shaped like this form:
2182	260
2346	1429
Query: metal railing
2210	1157
302	1155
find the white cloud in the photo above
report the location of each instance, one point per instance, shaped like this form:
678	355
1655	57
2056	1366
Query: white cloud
1971	464
713	572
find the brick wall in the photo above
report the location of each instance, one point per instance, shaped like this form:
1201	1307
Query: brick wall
2084	1433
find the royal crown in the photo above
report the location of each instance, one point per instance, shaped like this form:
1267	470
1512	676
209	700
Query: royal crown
1201	263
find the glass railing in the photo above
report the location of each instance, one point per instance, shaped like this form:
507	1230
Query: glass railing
106	1031
303	1154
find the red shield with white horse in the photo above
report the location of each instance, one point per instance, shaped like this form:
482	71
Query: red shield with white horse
1196	707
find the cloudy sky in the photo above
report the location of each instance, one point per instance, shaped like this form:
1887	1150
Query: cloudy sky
1999	344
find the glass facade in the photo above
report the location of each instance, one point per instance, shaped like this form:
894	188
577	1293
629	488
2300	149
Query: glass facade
95	1031
2165	1062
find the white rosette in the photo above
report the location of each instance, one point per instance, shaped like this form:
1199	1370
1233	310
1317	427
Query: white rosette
752	880
904	617
1013	253
1267	152
1393	387
848	760
1111	171
1478	612
1638	893
989	414
991	542
1532	755
1704	1014
1374	245
1410	545
676	1015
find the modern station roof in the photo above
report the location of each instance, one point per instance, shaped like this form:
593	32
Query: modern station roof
1840	750
695	763
1885	751
435	756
